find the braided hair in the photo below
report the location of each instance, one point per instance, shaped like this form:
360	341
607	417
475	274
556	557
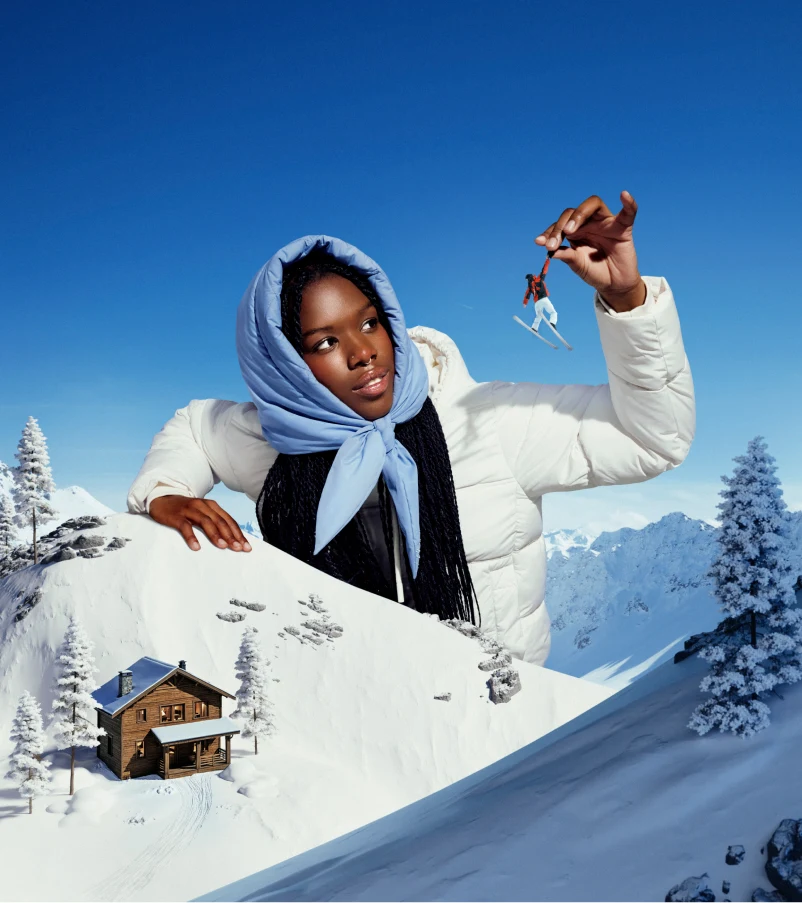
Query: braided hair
287	505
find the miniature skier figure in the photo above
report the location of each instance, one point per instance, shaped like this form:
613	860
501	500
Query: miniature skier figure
536	288
544	309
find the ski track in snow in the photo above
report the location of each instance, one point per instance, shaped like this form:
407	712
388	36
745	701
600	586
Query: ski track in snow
135	877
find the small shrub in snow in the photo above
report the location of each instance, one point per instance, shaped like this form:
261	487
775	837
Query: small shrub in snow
253	701
74	709
233	617
28	771
444	697
754	580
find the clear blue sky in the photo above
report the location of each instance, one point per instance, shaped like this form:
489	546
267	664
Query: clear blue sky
156	154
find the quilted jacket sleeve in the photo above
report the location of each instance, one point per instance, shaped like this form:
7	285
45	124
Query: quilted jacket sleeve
641	423
207	442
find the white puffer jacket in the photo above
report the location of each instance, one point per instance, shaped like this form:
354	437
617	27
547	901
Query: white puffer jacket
510	443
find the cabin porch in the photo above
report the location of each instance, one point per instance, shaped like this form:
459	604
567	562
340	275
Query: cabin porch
195	748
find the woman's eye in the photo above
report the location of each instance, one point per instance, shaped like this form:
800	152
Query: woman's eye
371	322
322	346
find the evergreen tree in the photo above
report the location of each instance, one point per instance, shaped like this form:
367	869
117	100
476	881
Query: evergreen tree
74	708
33	481
28	771
754	579
253	704
8	532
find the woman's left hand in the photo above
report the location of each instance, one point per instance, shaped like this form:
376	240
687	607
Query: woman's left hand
601	250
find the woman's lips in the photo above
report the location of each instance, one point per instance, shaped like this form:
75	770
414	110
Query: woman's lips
377	386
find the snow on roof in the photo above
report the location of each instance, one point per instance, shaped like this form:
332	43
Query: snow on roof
146	672
194	730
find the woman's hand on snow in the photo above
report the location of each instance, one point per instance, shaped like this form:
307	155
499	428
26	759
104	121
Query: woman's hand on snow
184	513
601	250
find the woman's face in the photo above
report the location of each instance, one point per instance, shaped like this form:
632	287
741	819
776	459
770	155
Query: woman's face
346	347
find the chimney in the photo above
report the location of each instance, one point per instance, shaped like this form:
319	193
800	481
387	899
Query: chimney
126	683
182	664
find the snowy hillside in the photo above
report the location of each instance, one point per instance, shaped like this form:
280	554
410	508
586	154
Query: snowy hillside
359	732
622	804
70	502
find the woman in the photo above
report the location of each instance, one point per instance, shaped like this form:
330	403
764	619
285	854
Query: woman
372	454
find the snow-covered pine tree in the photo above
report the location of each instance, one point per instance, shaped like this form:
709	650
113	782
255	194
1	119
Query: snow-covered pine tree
8	532
754	580
33	481
253	703
28	771
74	708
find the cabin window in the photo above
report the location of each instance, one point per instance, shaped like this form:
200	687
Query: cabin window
110	745
166	713
201	710
140	749
141	715
178	712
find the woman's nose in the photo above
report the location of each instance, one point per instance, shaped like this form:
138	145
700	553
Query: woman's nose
361	353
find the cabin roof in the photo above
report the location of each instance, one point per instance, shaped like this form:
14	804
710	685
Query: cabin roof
147	673
198	730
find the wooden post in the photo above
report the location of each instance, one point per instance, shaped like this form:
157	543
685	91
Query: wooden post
197	755
166	754
228	749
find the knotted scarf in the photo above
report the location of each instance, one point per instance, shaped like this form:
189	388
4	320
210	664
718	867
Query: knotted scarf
300	415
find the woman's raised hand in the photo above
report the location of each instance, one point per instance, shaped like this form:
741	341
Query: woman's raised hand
601	252
184	513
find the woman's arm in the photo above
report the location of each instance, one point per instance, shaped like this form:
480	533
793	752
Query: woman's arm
639	425
207	442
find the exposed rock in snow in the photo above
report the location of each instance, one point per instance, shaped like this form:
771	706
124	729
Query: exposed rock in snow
504	684
759	895
692	889
251	606
735	855
233	617
784	859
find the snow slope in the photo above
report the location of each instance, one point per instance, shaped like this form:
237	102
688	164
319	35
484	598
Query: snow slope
622	804
358	730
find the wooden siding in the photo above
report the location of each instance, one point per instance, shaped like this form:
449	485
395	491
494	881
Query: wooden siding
178	690
114	730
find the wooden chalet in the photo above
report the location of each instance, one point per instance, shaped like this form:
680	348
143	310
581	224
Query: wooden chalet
160	719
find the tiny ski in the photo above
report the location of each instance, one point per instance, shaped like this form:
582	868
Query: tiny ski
536	333
557	334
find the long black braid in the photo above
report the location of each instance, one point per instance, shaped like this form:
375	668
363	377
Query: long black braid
287	505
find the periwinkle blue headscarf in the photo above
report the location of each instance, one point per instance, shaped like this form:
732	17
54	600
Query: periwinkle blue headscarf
300	415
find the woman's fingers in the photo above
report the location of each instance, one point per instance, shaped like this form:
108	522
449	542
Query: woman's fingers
184	514
235	530
572	219
184	527
629	209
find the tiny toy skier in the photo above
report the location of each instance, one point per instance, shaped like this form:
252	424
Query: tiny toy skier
544	309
